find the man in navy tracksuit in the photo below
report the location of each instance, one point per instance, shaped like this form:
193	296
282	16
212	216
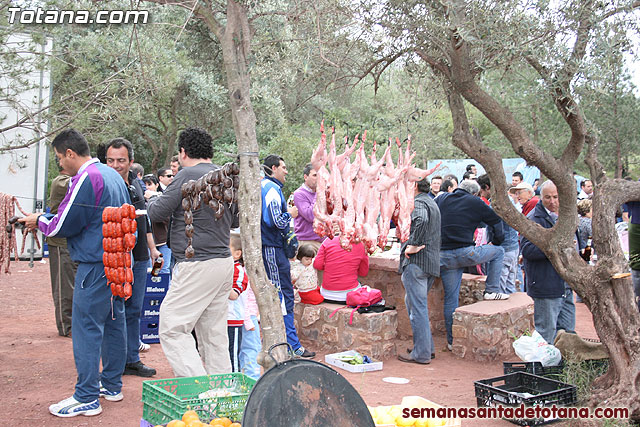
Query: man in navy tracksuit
275	220
96	315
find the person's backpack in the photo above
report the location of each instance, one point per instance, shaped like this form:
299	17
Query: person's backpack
361	297
290	243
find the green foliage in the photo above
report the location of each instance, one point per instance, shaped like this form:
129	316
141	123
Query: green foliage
147	82
582	374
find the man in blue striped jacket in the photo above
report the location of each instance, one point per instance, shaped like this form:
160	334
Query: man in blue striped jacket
276	218
98	321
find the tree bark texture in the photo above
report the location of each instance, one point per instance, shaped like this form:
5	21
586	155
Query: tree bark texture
235	39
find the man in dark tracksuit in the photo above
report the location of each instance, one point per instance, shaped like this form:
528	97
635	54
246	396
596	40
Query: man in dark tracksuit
276	218
96	315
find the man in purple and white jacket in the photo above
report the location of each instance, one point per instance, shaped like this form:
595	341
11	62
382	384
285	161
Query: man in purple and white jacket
98	320
304	198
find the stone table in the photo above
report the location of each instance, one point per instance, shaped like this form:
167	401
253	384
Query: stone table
484	331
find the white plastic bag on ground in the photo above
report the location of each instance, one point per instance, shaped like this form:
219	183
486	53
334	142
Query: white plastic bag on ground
535	349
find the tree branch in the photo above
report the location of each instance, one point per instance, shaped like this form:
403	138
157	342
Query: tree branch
438	66
609	14
51	132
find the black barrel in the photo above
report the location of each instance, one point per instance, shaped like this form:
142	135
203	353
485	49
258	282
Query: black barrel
301	392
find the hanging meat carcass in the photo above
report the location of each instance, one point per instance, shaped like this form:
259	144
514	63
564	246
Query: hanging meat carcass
361	198
8	241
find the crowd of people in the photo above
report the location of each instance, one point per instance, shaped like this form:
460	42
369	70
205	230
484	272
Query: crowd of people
204	317
208	322
459	229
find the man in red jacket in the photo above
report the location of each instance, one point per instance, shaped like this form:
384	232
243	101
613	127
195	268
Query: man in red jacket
525	196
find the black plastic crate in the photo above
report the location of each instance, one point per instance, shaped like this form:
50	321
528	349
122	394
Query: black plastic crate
521	388
534	368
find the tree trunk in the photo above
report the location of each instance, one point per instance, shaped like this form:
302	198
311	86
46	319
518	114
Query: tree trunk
235	41
615	317
610	299
154	147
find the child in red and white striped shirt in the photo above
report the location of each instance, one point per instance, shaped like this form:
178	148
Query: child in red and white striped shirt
236	315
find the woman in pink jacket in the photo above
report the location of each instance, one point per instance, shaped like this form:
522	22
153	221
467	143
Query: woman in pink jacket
341	269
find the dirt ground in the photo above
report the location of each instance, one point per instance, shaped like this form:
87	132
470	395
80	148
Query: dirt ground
37	368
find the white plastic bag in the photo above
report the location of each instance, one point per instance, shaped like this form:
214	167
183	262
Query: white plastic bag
535	349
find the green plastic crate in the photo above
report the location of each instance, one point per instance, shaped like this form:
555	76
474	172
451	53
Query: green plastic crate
165	400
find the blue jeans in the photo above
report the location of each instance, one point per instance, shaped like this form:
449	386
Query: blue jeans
552	314
98	328
417	285
251	346
452	263
132	309
635	276
279	272
509	272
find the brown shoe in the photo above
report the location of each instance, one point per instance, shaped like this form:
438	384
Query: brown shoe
410	360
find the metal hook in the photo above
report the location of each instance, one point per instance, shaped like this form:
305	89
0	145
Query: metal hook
289	349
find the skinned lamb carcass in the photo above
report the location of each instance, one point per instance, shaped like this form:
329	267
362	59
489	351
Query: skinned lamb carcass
360	198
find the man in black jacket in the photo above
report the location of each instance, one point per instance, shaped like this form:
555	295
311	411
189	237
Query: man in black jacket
120	157
553	307
419	266
461	213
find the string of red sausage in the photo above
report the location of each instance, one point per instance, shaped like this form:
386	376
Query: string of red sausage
118	231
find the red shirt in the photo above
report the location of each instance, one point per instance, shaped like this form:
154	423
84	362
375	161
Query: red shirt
528	207
341	268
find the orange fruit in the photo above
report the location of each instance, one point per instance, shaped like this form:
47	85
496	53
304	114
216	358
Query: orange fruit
195	423
220	421
235	425
226	422
217	425
189	416
177	423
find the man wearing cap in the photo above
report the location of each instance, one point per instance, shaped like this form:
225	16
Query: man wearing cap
525	196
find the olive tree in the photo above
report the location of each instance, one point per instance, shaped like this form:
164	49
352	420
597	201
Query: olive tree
461	42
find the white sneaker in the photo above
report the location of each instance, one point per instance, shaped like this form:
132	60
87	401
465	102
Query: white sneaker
111	396
449	347
70	407
495	296
143	347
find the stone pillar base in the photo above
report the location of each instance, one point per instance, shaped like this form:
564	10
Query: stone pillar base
372	334
484	331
